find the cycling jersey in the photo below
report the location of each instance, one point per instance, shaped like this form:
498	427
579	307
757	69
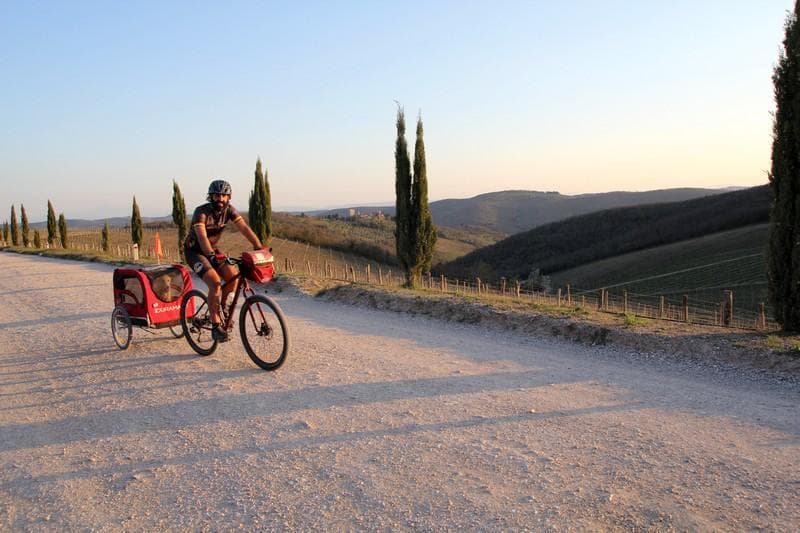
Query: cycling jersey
214	222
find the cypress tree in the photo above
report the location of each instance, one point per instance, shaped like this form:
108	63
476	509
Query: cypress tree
178	215
402	185
14	228
257	208
62	230
783	263
5	232
136	224
424	230
266	214
105	242
26	229
51	223
37	239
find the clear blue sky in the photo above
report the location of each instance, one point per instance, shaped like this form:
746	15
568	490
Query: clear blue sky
103	100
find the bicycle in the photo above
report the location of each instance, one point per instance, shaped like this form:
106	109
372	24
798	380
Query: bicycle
262	324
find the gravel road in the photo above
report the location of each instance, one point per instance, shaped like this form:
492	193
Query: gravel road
377	421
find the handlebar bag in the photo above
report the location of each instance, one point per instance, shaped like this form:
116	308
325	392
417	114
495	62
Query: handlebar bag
258	265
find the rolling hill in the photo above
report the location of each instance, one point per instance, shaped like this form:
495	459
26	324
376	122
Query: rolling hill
510	212
591	237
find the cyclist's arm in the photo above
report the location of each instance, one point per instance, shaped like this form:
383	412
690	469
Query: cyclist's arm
202	238
245	230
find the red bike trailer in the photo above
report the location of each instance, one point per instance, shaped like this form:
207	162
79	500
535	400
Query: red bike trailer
149	298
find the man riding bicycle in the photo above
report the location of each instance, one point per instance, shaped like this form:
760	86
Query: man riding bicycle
202	255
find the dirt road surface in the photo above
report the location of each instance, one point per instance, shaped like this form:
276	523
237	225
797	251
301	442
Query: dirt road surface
378	421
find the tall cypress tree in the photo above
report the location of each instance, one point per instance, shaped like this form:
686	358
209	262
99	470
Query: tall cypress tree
26	229
402	186
783	263
14	227
255	213
136	224
179	215
62	230
5	231
37	239
51	224
422	222
105	241
266	214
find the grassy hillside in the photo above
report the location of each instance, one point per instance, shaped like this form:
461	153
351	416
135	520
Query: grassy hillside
701	268
580	240
370	239
373	238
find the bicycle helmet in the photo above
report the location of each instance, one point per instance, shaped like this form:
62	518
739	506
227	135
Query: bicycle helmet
219	187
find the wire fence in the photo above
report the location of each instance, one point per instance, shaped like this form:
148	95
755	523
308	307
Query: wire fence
301	258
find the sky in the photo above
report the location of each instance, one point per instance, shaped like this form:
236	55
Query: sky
101	101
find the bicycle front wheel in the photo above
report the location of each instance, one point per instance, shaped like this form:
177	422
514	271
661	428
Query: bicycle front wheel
264	332
196	322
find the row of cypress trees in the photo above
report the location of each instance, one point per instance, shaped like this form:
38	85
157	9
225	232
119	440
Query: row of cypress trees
260	218
415	234
259	214
15	235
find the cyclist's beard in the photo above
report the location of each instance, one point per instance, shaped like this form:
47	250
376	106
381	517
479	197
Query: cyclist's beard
219	206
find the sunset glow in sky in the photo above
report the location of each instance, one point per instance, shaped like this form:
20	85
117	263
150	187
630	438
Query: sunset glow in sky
104	100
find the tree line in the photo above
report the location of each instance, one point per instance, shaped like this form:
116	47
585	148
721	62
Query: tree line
21	235
260	220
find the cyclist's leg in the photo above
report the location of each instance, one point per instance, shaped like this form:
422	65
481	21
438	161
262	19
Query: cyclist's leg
230	274
202	267
213	281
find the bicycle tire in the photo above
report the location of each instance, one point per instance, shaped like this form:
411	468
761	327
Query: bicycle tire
197	328
260	321
121	327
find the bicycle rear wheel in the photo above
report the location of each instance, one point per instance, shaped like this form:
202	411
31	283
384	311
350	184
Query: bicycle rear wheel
264	332
121	327
197	326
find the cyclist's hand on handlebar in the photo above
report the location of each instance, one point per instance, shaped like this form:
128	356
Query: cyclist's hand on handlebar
217	259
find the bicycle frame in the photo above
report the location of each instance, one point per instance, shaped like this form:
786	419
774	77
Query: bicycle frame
242	289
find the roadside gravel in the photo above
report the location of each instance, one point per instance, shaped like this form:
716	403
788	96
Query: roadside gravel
379	420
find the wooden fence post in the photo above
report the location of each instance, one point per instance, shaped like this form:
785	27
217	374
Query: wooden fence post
727	317
661	311
569	295
478	286
443	284
762	315
559	297
600	298
380	276
369	275
517	288
503	286
624	301
686	308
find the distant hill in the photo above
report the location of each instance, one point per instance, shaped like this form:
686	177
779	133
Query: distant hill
504	212
114	222
510	212
594	236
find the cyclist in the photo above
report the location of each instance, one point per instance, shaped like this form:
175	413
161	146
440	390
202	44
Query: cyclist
203	256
